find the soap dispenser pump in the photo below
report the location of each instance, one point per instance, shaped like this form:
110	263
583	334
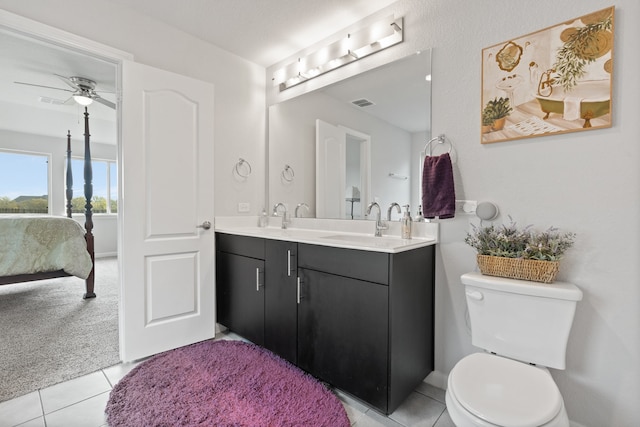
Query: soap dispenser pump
405	226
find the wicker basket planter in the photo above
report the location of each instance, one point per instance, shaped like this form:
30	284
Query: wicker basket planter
518	268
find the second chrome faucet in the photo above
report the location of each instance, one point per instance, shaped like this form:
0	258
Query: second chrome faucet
285	220
380	225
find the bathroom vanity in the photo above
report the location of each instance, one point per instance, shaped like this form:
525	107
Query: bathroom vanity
353	314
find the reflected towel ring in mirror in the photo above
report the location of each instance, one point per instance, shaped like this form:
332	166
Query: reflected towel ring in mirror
243	168
287	173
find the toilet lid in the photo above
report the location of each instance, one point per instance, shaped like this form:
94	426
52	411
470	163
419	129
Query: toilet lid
505	392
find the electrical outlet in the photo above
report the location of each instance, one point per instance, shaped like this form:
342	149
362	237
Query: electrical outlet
244	207
466	206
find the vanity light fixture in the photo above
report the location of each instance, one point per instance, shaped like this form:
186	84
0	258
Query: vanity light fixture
374	38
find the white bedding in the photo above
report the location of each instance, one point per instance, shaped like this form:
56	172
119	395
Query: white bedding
34	244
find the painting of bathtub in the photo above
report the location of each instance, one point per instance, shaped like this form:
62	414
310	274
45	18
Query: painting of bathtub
556	80
587	100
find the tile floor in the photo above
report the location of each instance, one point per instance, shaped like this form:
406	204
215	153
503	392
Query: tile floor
80	403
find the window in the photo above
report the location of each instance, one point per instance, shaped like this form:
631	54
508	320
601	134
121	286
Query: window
24	182
105	186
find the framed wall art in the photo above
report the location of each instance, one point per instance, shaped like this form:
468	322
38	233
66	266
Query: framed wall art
553	81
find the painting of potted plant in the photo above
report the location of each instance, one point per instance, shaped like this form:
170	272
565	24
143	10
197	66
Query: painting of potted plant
495	114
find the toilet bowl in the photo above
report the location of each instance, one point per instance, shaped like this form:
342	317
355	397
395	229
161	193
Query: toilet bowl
523	328
488	390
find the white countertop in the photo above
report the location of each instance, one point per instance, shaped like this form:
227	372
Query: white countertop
350	234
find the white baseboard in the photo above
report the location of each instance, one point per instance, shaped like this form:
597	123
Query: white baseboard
106	255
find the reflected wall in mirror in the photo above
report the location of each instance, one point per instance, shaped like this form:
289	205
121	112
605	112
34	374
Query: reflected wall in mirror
354	142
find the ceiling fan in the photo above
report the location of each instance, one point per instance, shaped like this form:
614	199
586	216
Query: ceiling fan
83	92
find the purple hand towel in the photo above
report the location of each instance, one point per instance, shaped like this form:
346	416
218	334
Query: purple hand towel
438	193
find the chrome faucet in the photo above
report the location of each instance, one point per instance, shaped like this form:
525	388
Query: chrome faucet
397	206
379	224
285	220
300	205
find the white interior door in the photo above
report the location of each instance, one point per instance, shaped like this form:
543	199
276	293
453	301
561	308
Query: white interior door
331	146
166	158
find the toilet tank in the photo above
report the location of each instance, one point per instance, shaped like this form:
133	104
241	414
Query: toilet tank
526	321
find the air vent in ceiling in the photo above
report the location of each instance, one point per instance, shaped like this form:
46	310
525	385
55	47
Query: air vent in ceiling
362	102
52	101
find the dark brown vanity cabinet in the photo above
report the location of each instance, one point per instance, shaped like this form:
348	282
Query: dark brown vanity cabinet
240	285
365	320
280	320
256	291
359	320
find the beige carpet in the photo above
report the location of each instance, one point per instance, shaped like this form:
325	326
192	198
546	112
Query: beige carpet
49	334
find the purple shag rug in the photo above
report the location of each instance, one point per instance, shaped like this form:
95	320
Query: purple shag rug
221	383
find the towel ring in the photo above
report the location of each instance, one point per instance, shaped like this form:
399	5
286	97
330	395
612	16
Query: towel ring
287	173
441	140
242	162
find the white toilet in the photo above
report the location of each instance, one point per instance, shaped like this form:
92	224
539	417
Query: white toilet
524	328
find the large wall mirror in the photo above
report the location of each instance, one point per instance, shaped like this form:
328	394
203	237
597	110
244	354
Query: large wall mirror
344	146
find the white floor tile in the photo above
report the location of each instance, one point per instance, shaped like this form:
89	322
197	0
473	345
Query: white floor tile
67	393
372	418
88	413
20	409
116	373
418	410
444	420
431	391
38	422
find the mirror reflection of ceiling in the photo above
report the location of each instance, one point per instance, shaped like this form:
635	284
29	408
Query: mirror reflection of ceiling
397	91
43	111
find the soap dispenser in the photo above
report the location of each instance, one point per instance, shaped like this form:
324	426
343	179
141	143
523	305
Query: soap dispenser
405	225
419	217
263	220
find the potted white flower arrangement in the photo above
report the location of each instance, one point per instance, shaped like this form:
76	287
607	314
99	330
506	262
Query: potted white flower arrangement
519	253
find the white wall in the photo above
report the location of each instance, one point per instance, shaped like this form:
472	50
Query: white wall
586	182
239	84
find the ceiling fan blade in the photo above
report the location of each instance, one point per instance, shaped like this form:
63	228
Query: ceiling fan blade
104	102
48	87
67	81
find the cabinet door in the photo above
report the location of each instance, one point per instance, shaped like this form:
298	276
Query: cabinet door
240	295
280	327
343	333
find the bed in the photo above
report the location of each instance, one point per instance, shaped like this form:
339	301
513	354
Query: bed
34	247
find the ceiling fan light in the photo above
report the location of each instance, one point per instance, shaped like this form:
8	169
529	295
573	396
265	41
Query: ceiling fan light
82	100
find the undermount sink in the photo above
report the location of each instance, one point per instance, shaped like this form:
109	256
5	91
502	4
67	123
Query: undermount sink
388	242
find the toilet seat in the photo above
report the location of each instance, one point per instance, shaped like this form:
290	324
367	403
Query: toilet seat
505	392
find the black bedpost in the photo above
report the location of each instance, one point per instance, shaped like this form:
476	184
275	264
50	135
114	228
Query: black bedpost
69	192
88	212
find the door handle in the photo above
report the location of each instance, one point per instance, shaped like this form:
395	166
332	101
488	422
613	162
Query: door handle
206	225
258	279
298	296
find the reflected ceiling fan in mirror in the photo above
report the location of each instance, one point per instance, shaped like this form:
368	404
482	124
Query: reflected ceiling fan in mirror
82	90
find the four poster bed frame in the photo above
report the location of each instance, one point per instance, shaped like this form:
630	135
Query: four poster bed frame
88	235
